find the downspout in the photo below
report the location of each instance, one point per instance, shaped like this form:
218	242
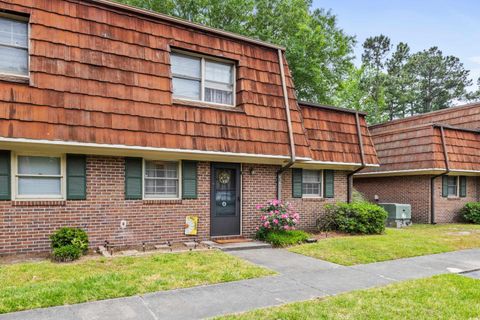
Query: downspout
432	179
362	158
289	126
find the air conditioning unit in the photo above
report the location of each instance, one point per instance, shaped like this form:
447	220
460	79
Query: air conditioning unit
399	215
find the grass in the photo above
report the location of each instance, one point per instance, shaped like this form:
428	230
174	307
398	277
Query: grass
286	238
439	297
43	284
413	241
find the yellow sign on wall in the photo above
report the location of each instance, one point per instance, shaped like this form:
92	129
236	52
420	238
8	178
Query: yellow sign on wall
191	225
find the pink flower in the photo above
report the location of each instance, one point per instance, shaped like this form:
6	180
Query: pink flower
266	224
275	202
258	206
275	221
284	216
296	216
277	212
257	228
286	227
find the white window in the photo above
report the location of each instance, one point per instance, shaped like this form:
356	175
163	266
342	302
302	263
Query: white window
39	177
161	179
13	46
312	183
202	79
452	186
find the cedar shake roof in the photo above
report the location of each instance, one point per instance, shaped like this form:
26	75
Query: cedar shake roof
414	144
332	134
100	74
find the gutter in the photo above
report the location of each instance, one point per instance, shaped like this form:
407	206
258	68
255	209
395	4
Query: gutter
432	179
289	125
362	157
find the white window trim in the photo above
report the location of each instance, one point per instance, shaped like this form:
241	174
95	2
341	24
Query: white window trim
27	21
15	176
314	196
202	78
179	168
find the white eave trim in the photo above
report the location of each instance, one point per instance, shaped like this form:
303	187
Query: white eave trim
140	148
426	171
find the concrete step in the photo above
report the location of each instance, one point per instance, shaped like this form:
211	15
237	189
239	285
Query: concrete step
249	245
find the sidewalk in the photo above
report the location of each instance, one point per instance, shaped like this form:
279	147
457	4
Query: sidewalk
300	278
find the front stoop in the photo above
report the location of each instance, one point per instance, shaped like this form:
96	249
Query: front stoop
250	245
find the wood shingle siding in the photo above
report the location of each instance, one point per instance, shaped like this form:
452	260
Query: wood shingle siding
102	75
332	135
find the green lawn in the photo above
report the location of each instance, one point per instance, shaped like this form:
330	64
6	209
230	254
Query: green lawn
413	241
440	297
43	284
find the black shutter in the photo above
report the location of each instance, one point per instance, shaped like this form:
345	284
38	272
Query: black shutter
463	186
76	177
189	179
445	186
5	192
133	178
297	183
328	183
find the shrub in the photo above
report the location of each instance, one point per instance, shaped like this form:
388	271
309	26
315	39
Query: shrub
471	212
286	238
356	217
277	216
70	236
66	253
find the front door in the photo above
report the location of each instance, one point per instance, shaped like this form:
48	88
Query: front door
225	199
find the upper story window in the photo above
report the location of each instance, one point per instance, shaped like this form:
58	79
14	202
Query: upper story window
203	79
13	46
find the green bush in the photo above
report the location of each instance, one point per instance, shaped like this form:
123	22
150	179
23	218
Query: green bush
70	236
286	238
66	253
471	212
356	217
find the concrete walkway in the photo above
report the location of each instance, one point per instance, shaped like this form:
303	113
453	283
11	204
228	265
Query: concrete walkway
300	278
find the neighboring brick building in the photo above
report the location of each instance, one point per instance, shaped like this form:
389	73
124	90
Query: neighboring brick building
123	122
441	146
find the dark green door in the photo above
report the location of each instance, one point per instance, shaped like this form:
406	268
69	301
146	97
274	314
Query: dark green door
225	199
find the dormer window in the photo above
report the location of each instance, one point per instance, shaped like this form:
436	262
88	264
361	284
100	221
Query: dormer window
13	46
203	79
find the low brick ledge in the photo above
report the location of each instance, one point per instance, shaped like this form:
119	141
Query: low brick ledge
160	201
39	203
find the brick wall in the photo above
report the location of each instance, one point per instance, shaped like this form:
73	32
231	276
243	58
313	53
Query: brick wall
311	209
26	226
448	209
414	190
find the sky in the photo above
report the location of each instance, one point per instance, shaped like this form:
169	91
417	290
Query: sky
453	26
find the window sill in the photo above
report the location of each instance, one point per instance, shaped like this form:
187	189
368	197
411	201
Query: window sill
162	201
193	103
39	203
313	199
454	198
14	78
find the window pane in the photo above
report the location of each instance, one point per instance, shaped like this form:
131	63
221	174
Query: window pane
13	60
218	96
161	179
189	89
311	176
218	72
13	32
39	186
186	66
38	165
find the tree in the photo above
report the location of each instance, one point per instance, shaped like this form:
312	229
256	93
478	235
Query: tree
398	95
438	79
374	59
320	54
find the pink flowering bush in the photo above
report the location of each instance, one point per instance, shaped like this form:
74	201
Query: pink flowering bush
276	216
